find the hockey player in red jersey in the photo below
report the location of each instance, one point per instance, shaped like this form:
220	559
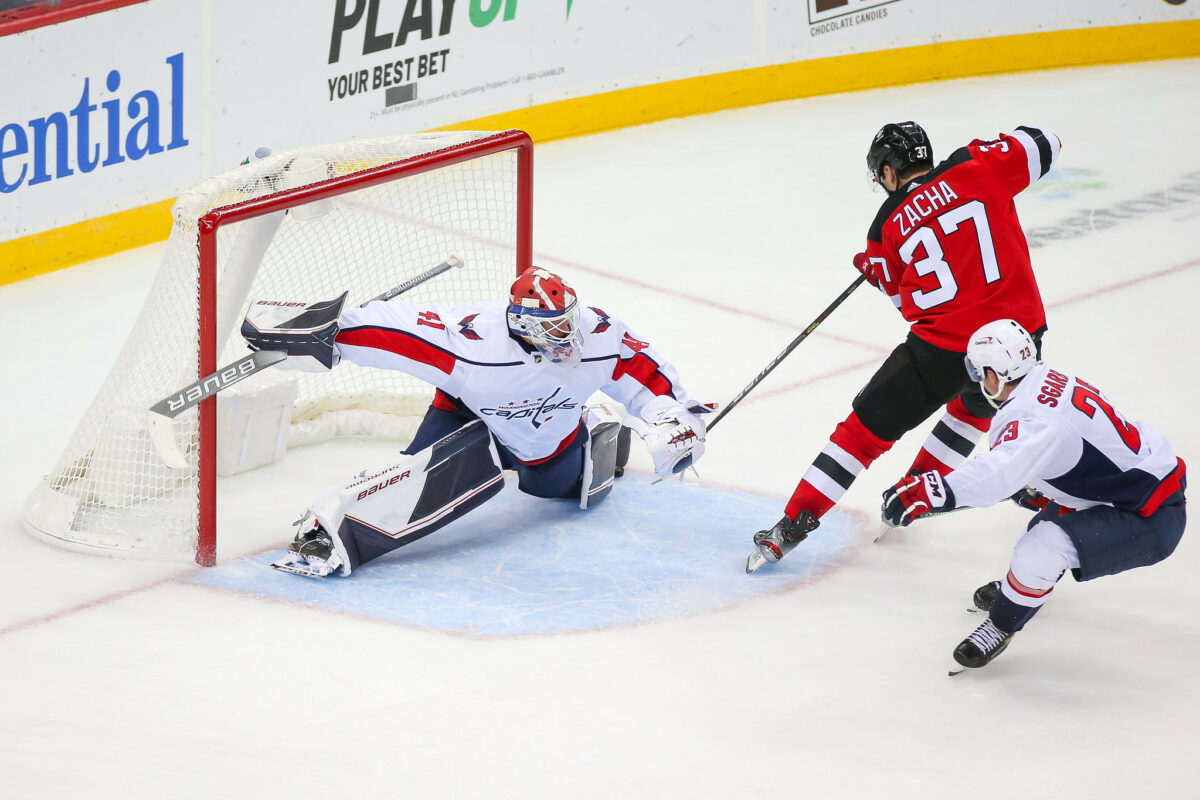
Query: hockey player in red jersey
512	379
947	249
1111	490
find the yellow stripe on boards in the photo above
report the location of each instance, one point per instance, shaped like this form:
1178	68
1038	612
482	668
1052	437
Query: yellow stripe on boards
84	241
852	73
73	244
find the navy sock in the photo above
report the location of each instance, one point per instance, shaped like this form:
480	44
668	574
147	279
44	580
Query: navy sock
1008	616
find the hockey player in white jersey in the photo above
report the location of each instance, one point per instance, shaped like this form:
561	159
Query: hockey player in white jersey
512	379
1110	491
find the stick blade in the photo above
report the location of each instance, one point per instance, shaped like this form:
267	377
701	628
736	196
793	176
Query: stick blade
884	530
159	416
162	436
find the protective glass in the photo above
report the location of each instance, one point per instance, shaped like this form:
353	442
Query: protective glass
876	186
972	373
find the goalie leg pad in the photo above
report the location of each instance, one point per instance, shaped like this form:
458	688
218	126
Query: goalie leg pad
600	455
380	512
624	440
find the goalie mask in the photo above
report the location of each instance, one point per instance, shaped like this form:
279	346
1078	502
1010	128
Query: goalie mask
544	312
1005	348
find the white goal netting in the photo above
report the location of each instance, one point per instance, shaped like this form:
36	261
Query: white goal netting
110	491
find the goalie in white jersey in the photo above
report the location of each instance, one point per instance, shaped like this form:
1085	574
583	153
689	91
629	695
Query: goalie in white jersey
512	380
1110	492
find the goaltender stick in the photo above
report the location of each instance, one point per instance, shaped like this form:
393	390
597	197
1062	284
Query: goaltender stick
512	379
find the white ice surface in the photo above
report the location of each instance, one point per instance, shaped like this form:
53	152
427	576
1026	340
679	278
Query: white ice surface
720	237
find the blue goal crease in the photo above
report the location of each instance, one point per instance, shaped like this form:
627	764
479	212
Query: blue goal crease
522	565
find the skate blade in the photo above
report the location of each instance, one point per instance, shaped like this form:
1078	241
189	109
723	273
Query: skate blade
756	560
298	567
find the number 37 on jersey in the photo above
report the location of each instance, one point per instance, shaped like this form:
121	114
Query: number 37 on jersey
949	245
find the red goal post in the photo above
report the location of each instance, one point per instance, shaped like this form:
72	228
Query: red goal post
359	216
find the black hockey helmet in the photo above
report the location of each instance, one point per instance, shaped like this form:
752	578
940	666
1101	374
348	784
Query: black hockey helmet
900	145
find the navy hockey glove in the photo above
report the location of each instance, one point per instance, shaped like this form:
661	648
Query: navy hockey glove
871	270
915	496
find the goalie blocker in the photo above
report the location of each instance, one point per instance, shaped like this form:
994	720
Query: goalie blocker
306	332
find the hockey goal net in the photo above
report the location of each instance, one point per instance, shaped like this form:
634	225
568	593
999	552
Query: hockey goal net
301	225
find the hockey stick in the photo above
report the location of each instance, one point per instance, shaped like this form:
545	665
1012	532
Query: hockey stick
158	418
450	263
795	343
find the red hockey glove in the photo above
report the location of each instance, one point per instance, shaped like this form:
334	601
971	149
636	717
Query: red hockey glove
872	270
914	497
1031	499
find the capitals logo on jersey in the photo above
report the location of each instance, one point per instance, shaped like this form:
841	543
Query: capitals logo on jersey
603	324
466	326
536	411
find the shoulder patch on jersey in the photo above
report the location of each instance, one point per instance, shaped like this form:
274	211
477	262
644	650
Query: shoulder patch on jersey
604	323
466	326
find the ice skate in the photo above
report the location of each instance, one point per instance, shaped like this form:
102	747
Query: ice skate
978	649
310	554
776	543
984	596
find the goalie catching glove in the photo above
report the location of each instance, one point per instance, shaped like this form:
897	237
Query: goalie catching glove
305	331
916	496
673	435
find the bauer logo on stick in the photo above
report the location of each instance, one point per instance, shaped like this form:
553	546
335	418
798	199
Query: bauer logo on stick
211	385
